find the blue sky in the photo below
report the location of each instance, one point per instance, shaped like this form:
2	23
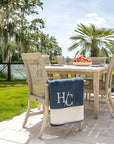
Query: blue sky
62	16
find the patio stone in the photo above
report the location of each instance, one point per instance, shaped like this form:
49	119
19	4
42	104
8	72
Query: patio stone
95	131
107	132
14	136
7	142
1	129
11	125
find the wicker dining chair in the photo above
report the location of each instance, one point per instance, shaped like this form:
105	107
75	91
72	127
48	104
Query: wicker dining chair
47	62
37	83
60	59
95	61
46	59
104	87
38	87
98	60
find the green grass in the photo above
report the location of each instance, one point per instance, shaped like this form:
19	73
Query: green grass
113	73
13	98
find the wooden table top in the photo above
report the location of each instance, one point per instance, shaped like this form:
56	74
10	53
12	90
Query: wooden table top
73	68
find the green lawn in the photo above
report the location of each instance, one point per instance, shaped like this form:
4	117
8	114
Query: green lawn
13	98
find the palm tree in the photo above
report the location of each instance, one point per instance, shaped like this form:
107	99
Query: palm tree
93	40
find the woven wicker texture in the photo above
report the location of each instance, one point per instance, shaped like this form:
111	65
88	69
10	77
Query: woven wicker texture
98	60
46	59
60	59
35	73
104	86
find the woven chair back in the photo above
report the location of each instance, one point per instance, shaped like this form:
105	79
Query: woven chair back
98	60
46	59
36	73
60	59
108	83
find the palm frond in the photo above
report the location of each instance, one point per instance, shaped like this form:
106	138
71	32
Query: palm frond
78	31
74	46
92	27
77	54
78	37
111	49
105	52
83	29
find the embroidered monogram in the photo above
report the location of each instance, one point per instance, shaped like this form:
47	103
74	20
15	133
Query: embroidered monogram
67	100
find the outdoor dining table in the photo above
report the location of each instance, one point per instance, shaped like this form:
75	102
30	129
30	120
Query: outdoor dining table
86	70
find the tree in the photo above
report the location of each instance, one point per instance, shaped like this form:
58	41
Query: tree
47	45
93	40
0	53
20	26
16	24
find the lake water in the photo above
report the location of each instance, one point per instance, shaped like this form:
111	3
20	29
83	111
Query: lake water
17	71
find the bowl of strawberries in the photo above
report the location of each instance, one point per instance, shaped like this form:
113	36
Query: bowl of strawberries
82	61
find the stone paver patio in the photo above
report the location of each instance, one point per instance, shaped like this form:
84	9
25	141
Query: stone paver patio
95	131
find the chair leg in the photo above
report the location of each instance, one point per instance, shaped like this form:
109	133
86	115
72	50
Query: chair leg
111	101
81	126
44	123
43	108
27	113
89	94
39	106
85	96
108	104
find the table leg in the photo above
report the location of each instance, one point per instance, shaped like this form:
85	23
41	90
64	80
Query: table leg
96	93
73	75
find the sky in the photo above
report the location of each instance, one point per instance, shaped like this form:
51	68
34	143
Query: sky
62	16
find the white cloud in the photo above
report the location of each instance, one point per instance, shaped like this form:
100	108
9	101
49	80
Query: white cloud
93	18
91	15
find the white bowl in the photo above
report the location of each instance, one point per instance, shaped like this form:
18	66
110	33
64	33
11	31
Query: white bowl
82	63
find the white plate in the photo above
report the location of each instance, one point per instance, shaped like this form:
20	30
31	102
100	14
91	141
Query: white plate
82	64
95	65
100	65
56	64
